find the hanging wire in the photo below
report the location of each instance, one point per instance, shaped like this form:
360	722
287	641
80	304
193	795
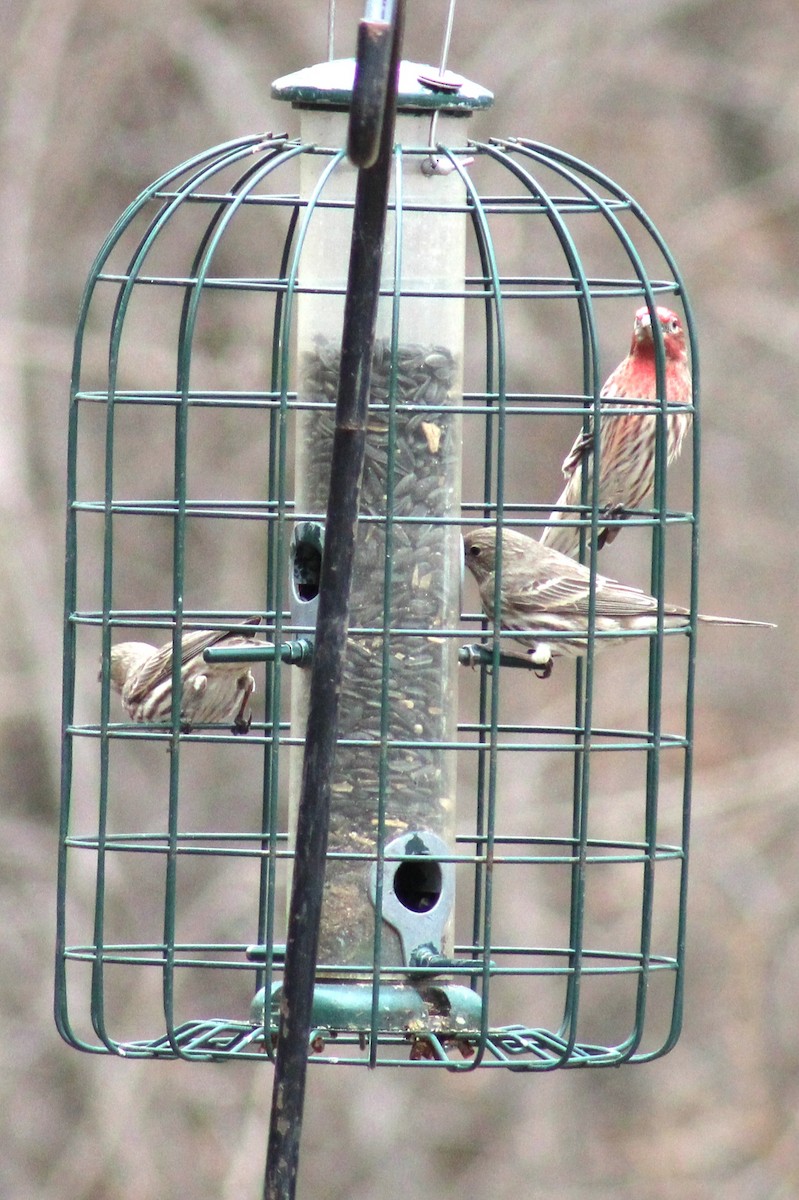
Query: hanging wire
331	29
443	65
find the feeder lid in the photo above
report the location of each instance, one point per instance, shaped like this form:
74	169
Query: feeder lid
421	87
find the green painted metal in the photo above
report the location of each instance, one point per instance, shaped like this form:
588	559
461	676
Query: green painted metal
449	1010
365	1018
329	85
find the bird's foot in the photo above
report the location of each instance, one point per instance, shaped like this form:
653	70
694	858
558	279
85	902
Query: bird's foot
617	513
241	726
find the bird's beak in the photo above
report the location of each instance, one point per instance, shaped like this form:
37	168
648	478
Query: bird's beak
642	323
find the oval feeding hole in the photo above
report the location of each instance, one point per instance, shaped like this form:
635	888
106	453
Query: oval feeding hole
417	884
307	567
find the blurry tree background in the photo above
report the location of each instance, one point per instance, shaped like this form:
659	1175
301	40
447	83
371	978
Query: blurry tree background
692	106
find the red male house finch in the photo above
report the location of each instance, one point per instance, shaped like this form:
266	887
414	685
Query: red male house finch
211	692
545	594
627	441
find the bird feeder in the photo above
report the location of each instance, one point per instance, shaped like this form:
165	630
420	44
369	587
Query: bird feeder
399	698
459	928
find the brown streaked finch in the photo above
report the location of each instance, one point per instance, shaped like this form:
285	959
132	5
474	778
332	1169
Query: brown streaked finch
211	693
545	594
627	441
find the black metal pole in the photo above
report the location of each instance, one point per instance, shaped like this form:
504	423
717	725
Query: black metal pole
360	313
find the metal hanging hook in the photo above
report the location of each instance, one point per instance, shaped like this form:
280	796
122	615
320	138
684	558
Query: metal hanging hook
434	164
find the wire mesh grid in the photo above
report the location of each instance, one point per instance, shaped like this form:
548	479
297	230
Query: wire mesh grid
569	858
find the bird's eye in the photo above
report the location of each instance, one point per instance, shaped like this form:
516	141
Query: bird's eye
674	325
474	551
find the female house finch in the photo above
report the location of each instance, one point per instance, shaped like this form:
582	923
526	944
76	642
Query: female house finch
210	693
627	441
545	594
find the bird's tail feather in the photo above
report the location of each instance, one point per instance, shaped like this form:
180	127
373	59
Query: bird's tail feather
557	536
708	620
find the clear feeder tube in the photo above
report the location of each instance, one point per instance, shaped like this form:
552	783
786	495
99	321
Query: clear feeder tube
408	525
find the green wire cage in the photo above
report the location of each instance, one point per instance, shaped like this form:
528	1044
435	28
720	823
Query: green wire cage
506	875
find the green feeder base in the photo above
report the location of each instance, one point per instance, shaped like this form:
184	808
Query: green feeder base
449	1010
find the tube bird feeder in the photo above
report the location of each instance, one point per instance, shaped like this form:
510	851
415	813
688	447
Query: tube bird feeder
399	698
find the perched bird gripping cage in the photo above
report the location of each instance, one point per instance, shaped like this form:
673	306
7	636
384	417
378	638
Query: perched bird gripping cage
506	872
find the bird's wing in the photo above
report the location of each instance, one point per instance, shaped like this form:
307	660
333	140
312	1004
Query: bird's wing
548	594
151	672
159	667
620	600
570	593
616	387
154	671
200	639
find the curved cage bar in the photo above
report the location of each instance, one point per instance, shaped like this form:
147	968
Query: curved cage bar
541	922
